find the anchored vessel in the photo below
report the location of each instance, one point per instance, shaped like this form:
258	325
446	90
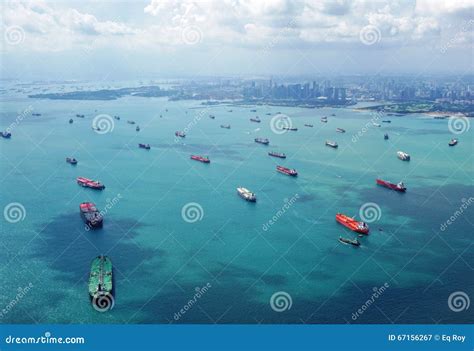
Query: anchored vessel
256	119
212	117
398	187
79	116
6	135
387	121
101	283
277	154
403	156
324	119
225	126
71	121
89	183
308	125
287	171
354	242
340	130
137	128
144	146
180	134
264	141
352	224
117	118
376	124
331	144
290	128
90	215
130	122
246	194
385	136
71	160
203	159
453	142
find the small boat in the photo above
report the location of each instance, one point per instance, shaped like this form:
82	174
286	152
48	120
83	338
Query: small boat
229	111
212	117
71	121
453	142
324	119
354	242
79	116
387	121
263	141
332	144
376	124
385	136
144	146
397	187
290	128
117	118
352	224
333	114
130	122
253	110
203	159
403	156
268	114
256	120
308	125
71	160
137	128
101	283
340	130
89	183
287	171
225	126
277	154
246	194
90	215
36	114
180	134
6	135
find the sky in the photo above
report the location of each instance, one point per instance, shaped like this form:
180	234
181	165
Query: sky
80	40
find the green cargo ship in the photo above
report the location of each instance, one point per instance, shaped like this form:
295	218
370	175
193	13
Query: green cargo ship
100	283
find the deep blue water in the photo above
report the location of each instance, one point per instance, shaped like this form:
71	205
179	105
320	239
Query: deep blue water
160	259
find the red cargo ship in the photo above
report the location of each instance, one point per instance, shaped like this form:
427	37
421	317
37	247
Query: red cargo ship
287	171
201	158
352	224
89	183
398	187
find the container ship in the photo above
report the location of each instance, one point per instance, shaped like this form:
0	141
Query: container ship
90	215
352	224
246	194
225	126
397	187
101	283
202	159
144	146
71	160
277	154
403	156
256	120
340	130
453	142
263	141
287	171
331	144
180	134
309	125
6	135
89	183
353	242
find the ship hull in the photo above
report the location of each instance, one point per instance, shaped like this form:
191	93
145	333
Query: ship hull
351	224
390	185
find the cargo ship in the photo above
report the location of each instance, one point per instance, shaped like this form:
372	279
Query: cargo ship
101	283
202	159
144	146
385	136
90	215
36	114
246	194
331	144
71	160
256	119
453	142
277	154
324	119
352	224
287	171
308	125
6	135
398	187
387	121
354	242
130	122
88	183
180	134
403	156
225	126
290	128
263	141
340	130
79	116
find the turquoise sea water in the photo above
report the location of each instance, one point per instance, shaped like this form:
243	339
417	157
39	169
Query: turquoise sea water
160	259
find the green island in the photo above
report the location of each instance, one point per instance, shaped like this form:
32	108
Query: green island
423	107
